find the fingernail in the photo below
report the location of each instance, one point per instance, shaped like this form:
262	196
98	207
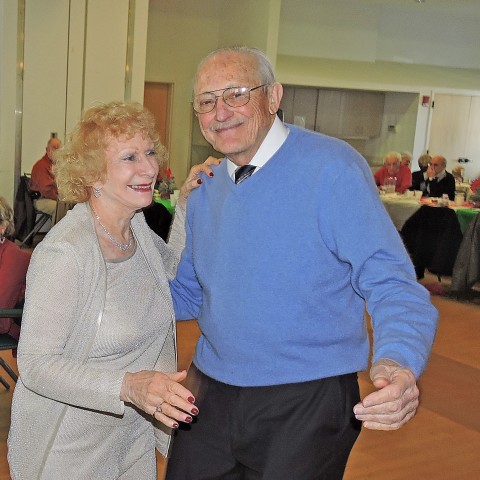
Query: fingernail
211	174
189	419
191	399
175	425
199	181
194	411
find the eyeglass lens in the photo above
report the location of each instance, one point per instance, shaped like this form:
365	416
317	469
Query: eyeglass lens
233	97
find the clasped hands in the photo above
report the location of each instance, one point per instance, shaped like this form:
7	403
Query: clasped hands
394	403
161	395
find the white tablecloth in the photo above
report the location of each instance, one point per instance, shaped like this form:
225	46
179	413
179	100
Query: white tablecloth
400	208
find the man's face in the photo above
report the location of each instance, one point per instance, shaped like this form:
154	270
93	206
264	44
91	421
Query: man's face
392	165
237	132
437	165
52	147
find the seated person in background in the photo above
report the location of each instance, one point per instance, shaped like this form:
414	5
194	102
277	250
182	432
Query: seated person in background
43	181
457	173
393	167
438	180
419	177
13	270
475	184
406	158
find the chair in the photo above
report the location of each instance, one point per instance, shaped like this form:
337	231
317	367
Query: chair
28	220
159	219
8	343
466	270
432	237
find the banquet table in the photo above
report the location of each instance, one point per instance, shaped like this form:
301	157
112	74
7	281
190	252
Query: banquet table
401	208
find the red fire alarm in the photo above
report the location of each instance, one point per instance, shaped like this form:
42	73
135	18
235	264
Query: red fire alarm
425	101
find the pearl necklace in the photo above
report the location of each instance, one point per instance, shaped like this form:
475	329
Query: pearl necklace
121	246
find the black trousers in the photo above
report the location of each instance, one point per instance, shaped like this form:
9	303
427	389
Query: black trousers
302	431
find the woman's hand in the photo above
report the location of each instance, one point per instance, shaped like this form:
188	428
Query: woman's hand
161	395
193	180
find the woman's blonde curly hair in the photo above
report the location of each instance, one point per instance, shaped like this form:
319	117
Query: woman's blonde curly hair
82	162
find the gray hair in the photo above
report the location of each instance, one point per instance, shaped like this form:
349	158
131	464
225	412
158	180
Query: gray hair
265	70
396	155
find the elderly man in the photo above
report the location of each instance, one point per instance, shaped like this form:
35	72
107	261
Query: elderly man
394	168
438	181
280	304
42	180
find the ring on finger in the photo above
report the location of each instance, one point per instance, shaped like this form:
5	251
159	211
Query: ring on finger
159	407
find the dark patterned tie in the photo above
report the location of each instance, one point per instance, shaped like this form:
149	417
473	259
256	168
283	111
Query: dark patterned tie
241	173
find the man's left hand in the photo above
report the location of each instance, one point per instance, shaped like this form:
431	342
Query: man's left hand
394	403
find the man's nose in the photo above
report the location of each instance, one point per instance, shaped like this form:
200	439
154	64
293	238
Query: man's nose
222	110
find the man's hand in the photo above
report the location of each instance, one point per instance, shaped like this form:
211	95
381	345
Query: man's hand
394	403
431	171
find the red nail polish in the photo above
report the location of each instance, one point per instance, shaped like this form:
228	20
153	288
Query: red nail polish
194	411
191	399
211	174
199	181
189	419
175	425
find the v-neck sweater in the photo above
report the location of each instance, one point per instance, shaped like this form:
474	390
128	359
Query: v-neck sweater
282	265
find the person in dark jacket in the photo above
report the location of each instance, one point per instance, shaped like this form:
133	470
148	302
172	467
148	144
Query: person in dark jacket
438	180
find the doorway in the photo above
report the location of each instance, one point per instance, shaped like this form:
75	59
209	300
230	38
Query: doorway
157	98
455	131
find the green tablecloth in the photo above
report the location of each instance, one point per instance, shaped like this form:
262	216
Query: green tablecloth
465	216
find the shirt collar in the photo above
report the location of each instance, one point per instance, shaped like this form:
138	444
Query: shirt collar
277	134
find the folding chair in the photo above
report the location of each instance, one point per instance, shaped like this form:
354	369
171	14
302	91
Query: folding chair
28	220
41	218
8	343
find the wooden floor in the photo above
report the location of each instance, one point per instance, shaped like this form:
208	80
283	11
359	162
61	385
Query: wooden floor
441	443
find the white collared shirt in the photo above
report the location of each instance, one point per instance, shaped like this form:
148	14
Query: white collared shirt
277	134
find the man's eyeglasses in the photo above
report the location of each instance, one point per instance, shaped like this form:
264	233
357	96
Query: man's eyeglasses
232	96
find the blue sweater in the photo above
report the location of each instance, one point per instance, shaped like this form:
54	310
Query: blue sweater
278	270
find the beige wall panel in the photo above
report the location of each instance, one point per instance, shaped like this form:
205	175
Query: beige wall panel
8	70
78	10
45	72
139	50
251	23
105	51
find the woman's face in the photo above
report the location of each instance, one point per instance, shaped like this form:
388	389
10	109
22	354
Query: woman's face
132	169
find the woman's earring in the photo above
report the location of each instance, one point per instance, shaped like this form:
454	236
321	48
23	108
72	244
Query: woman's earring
96	192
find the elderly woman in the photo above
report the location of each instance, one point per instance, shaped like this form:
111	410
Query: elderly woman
13	270
98	388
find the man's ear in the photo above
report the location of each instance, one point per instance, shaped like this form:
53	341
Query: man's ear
275	93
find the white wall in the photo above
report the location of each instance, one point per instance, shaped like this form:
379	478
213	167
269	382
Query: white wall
434	33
